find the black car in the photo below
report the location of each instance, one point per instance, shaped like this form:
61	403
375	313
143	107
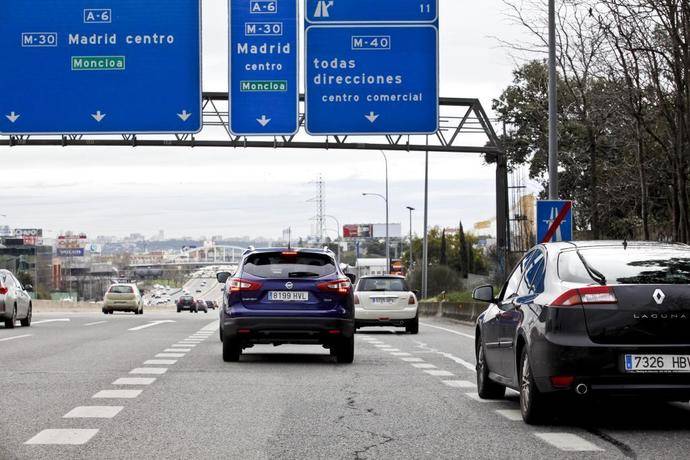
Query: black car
588	319
201	306
211	304
288	296
186	302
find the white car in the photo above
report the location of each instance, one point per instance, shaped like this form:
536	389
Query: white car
123	297
15	302
386	301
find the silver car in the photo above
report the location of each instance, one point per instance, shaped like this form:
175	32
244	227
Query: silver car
15	302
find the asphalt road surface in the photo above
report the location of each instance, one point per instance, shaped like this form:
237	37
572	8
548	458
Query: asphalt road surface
155	386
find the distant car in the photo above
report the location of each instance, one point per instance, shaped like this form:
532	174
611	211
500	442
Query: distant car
198	291
212	304
386	301
587	320
186	302
123	297
288	296
15	302
201	306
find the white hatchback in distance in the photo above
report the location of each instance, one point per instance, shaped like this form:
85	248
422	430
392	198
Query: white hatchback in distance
386	301
123	297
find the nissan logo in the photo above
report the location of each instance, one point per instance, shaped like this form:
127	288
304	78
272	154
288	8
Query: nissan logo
289	285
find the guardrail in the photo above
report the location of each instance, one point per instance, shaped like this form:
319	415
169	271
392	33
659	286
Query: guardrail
461	311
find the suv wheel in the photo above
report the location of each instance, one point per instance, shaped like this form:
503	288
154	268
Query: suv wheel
9	324
26	322
487	388
231	350
345	351
532	403
412	326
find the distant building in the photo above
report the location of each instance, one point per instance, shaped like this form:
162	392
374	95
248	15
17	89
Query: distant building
369	267
36	261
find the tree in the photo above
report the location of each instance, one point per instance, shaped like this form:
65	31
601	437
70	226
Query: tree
443	256
463	253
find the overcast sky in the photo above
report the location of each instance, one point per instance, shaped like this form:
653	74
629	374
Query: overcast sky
260	192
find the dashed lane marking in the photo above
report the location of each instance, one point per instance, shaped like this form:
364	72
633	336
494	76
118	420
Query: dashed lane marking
63	436
151	324
439	373
170	355
401	354
95	323
176	350
213	327
135	381
391	350
459	383
462	334
159	362
149	370
184	345
514	415
476	397
424	366
460	361
413	360
94	412
568	442
117	394
44	321
7	339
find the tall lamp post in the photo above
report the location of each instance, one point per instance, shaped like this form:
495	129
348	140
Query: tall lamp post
553	105
410	208
388	260
337	223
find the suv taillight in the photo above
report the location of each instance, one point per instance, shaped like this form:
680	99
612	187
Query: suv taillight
3	289
339	286
240	285
594	295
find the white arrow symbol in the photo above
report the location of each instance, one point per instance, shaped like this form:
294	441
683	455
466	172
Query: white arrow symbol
184	116
98	116
263	121
13	117
371	117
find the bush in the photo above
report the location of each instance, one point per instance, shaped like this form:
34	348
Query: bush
441	278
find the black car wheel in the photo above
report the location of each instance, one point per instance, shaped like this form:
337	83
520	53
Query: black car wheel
412	326
231	350
345	352
487	388
532	403
26	322
9	324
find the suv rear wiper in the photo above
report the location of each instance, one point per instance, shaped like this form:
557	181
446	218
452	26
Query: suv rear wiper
303	275
593	273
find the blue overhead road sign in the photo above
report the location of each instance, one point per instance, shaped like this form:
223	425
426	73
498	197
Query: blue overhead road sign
554	221
368	11
372	79
264	67
85	66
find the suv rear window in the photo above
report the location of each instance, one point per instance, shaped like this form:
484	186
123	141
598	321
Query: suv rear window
634	265
383	285
281	265
121	290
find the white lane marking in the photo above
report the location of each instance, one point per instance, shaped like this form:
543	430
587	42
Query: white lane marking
94	412
382	345
424	366
401	354
134	381
64	436
413	360
43	321
568	442
7	339
176	350
213	327
439	373
117	394
93	324
459	384
460	361
462	334
514	415
170	355
149	370
391	350
476	397
184	345
151	324
159	362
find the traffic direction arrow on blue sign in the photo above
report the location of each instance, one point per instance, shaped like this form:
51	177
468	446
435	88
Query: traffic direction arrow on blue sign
554	221
264	67
374	79
368	11
79	66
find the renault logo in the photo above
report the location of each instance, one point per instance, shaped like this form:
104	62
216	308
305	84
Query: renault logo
659	296
289	285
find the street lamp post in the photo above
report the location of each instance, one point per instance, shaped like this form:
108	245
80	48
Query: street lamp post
337	223
553	105
388	261
409	208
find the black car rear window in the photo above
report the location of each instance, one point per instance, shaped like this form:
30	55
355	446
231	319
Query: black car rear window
186	298
634	265
383	285
289	265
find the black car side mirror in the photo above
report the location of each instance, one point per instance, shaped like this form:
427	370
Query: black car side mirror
222	277
484	294
352	277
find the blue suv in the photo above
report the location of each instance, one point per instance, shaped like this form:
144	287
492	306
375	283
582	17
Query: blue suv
288	296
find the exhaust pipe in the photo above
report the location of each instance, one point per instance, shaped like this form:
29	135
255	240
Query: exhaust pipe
581	389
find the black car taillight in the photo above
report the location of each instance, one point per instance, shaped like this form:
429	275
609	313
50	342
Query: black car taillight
593	295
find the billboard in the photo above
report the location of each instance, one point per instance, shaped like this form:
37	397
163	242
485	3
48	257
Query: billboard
70	252
357	231
30	236
372	231
394	230
72	245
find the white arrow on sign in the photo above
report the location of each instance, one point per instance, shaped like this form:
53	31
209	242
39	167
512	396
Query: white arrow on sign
263	121
184	116
98	116
372	117
13	117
